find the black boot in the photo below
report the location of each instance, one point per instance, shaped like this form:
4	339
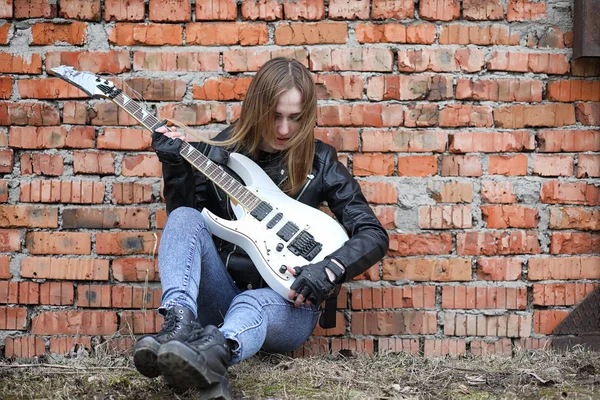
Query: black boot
200	363
179	324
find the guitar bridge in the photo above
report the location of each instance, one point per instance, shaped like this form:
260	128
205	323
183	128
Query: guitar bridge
305	245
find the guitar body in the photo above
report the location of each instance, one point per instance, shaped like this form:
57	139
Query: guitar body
261	242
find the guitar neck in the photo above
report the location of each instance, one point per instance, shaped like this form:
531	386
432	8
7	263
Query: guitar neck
235	190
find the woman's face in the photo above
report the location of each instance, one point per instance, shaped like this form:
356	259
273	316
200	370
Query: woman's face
287	120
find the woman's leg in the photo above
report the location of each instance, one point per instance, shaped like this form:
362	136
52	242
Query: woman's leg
261	318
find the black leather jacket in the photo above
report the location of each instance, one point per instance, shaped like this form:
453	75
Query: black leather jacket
331	182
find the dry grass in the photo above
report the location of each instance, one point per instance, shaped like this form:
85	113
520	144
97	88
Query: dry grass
528	375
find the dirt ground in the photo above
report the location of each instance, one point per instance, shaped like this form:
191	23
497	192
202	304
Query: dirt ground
527	375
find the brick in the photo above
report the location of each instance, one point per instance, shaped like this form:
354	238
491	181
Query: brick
510	216
497	192
559	192
574	243
393	297
216	10
80	137
397	345
135	270
9	292
406	87
102	114
161	218
88	10
544	321
339	329
15	64
545	63
421	115
440	60
373	164
455	115
44	33
181	61
266	10
351	59
219	88
445	217
129	34
6	9
588	113
339	87
379	192
588	166
375	115
6	160
57	293
451	192
29	293
13	318
118	243
3	191
513	165
41	164
226	33
497	243
25	113
58	243
510	325
60	191
74	113
553	165
194	114
10	240
349	9
24	346
303	9
484	297
34	9
425	269
66	344
110	62
392	9
552	37
563	268
124	139
508	90
499	269
423	33
170	10
440	10
444	347
495	34
117	10
131	193
573	90
121	345
419	244
574	218
500	347
97	296
363	346
342	139
27	216
5	87
526	116
491	142
97	163
568	141
74	323
461	166
136	322
522	10
483	10
561	294
141	165
534	343
5	267
37	138
393	322
106	218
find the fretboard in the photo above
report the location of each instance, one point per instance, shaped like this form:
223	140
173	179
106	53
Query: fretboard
214	172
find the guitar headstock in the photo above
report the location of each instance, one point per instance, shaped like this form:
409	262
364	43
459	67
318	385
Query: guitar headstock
91	84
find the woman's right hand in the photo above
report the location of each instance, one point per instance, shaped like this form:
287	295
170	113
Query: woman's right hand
167	142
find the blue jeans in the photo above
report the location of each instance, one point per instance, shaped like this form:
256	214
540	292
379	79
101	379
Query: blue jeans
193	275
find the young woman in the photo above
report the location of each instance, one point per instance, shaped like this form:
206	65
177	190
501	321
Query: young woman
207	282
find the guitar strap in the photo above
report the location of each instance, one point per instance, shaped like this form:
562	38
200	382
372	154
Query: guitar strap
327	319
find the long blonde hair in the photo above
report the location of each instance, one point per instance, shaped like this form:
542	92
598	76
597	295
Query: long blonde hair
257	118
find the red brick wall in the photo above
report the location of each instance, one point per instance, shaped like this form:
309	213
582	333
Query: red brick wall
471	130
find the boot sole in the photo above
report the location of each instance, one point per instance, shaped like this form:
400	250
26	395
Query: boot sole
182	369
145	355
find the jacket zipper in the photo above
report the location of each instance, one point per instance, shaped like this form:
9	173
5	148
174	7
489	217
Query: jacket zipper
310	178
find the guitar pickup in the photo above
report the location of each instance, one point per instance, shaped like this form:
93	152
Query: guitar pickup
274	220
287	231
261	211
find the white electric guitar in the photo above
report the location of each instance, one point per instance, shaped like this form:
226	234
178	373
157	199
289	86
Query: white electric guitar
275	230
